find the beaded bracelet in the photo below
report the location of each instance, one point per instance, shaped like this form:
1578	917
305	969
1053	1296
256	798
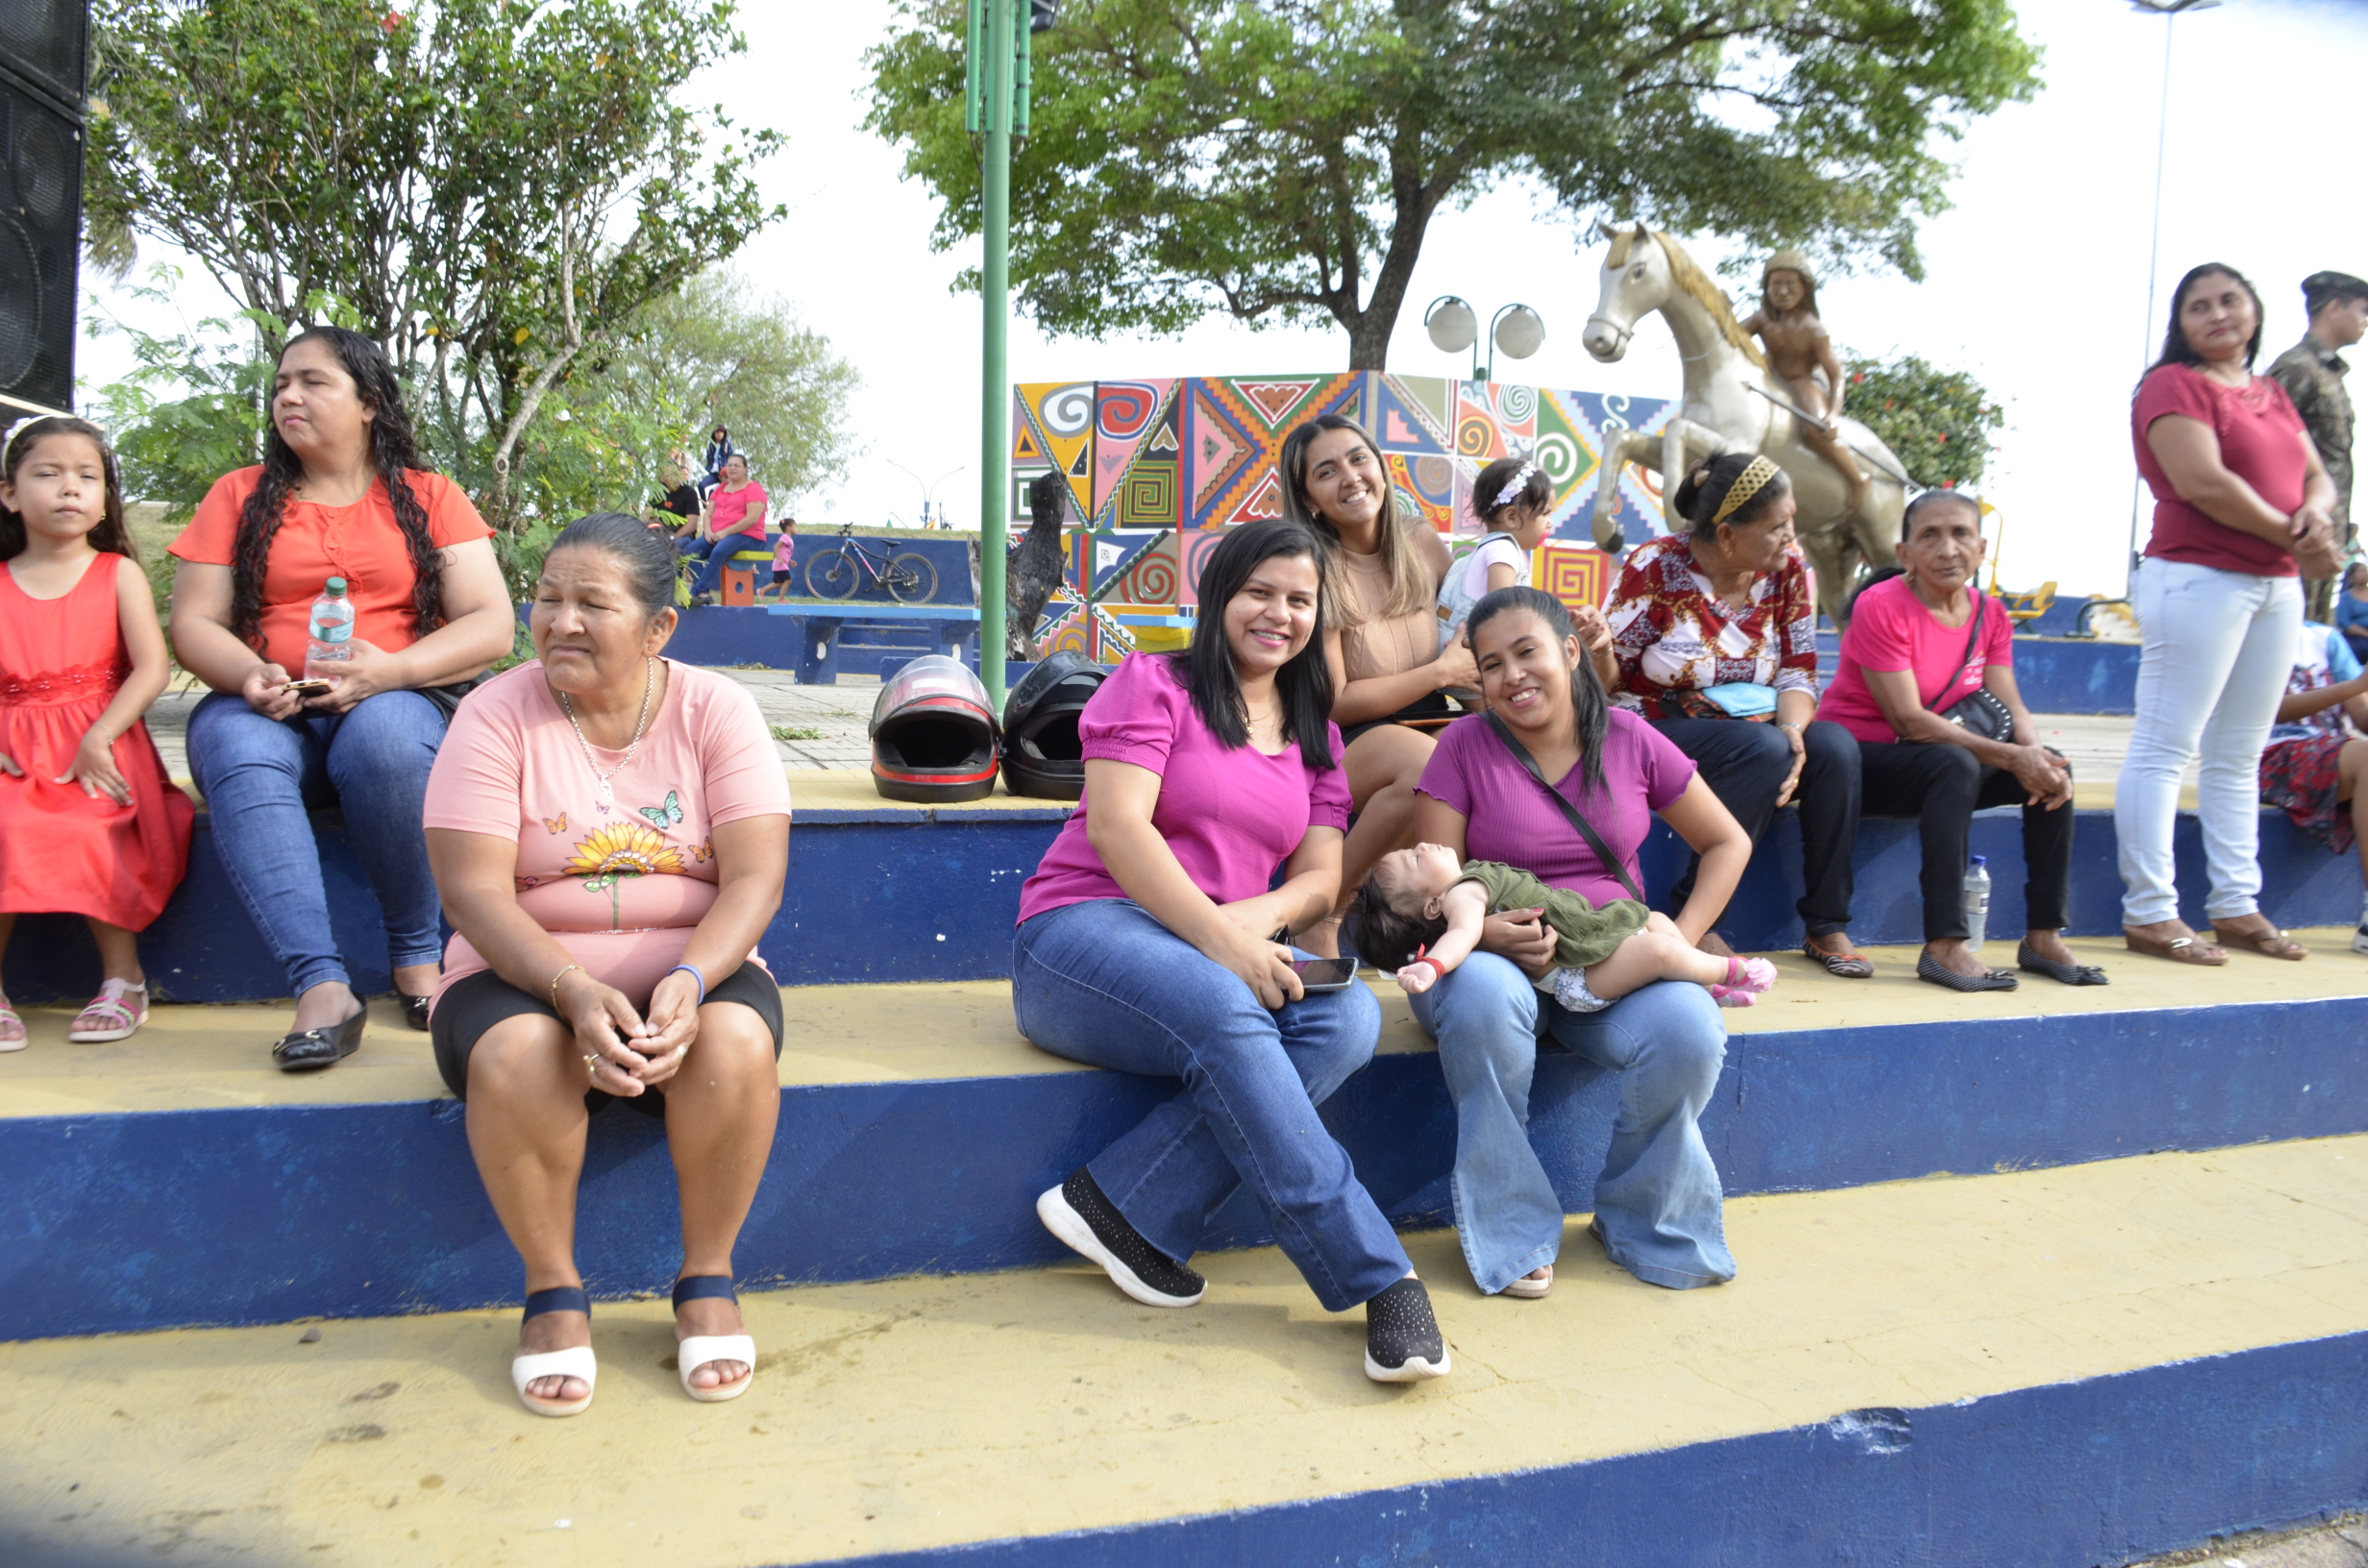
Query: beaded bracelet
692	971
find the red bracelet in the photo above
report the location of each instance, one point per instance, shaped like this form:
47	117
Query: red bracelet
1437	967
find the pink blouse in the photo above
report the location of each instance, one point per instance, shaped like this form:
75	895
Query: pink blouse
621	888
1232	814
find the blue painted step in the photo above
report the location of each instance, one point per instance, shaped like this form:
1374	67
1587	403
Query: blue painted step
135	1220
897	893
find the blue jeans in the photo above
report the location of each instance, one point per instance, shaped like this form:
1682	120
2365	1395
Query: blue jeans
1658	1202
261	778
719	554
1104	982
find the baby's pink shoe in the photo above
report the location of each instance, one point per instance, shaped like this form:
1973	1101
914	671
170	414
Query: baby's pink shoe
1747	978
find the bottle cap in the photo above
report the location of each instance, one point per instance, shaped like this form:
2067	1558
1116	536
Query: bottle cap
337	585
1981	860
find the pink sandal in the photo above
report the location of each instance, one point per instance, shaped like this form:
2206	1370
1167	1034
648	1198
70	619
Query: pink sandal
12	1028
110	1015
1747	979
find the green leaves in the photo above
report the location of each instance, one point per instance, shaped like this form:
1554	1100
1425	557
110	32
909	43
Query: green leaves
1938	421
1282	159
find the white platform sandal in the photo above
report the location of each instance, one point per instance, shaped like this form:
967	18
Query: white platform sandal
574	1362
700	1349
112	1013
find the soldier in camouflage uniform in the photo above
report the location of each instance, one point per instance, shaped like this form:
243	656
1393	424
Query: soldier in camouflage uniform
2312	373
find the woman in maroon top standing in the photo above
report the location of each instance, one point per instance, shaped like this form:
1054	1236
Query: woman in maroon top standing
2240	503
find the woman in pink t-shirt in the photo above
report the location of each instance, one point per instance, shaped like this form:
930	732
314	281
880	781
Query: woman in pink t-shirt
2241	503
734	522
609	831
1147	943
1918	643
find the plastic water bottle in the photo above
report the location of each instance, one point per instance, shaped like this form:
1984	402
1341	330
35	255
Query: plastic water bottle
1976	901
332	624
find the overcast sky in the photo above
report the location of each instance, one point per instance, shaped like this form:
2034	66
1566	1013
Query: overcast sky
2037	278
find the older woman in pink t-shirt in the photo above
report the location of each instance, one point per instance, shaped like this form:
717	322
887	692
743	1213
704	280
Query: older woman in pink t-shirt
1146	943
609	831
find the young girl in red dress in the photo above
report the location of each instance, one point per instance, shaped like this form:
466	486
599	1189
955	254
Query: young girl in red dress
89	824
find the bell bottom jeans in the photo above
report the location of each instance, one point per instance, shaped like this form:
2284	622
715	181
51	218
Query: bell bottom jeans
1104	982
1658	1201
2218	647
261	778
1744	764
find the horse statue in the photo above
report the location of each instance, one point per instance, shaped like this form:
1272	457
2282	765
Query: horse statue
1728	405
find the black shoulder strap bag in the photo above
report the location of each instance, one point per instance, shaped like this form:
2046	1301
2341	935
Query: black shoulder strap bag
1587	829
1979	711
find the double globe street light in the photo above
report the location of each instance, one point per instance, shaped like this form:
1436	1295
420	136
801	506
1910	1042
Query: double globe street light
1516	331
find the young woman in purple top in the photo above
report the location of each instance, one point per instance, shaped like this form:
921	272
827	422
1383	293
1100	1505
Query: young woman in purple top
1146	943
1657	1203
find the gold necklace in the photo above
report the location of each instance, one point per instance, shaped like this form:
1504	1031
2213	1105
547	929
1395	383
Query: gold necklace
603	793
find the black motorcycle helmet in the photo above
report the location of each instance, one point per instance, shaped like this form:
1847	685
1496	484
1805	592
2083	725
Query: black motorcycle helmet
1042	753
933	736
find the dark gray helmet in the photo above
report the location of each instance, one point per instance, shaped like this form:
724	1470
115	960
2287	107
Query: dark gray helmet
1042	753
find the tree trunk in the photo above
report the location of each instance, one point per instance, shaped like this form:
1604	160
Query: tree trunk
531	402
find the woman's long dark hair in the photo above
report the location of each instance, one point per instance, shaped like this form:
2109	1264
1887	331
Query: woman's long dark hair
1302	687
2175	349
392	452
109	537
1590	710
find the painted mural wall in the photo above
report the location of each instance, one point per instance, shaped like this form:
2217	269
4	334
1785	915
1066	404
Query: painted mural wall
1158	468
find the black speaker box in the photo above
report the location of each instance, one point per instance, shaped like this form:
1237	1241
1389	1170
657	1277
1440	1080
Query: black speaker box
41	234
42	41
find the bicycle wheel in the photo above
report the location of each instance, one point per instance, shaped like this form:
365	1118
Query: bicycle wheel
830	576
910	579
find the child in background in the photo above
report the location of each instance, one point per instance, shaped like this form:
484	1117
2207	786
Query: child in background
1420	912
785	551
1511	498
89	824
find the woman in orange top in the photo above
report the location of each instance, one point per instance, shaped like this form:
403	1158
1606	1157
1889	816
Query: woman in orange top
340	493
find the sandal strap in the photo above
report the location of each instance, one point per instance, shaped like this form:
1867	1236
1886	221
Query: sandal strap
704	1287
559	1298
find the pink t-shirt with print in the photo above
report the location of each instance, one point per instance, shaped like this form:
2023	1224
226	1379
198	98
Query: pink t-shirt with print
623	889
1891	629
1232	814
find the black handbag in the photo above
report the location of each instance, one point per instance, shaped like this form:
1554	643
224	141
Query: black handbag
1587	829
1980	712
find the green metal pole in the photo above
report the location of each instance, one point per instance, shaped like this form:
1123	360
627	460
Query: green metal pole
995	301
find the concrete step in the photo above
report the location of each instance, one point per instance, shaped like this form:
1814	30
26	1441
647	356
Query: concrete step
2050	1369
880	890
176	1178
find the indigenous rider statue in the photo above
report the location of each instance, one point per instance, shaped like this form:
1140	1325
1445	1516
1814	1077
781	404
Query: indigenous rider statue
1801	355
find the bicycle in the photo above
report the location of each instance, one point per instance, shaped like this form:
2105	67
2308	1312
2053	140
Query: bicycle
838	572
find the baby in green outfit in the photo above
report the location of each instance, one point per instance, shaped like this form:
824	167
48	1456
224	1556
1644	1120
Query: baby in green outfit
1420	912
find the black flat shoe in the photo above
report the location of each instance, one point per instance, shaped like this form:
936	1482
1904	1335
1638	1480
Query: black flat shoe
1929	967
414	1010
2070	975
309	1050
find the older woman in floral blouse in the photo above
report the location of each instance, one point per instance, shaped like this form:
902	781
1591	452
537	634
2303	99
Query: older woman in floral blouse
1714	634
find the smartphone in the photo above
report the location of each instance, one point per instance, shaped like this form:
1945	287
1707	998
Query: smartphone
1324	973
308	686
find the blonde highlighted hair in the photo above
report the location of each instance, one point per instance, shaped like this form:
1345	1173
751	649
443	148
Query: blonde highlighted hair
1411	587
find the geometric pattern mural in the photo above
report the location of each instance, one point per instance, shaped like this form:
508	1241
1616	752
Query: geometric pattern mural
1159	468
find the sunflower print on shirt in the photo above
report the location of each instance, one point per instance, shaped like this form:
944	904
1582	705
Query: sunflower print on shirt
609	855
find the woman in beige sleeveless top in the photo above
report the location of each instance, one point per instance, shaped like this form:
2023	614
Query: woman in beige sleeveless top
1382	641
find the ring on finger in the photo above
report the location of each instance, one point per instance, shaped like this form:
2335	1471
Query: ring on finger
592	1066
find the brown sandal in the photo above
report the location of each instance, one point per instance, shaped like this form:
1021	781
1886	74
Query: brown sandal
1852	965
2270	943
2177	950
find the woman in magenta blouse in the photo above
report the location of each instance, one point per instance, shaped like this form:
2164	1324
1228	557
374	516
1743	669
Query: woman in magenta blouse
2241	501
1146	943
1658	1209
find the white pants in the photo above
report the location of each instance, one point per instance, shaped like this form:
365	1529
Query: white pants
2218	647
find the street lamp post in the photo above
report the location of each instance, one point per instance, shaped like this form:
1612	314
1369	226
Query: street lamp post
1516	331
928	491
2169	11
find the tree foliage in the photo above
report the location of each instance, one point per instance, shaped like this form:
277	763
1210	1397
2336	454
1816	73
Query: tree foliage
489	184
1940	423
1282	159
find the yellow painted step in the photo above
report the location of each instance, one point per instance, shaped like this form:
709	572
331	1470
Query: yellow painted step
920	1412
197	1056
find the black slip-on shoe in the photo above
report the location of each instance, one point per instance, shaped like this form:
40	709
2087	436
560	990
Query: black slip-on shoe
1402	1341
309	1050
1930	969
2070	975
1090	1225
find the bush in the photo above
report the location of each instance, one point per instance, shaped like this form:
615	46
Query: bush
1937	422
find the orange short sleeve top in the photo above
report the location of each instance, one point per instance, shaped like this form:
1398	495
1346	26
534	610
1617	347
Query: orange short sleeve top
360	543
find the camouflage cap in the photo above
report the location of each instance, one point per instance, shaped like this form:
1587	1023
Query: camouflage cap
2325	289
1789	262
